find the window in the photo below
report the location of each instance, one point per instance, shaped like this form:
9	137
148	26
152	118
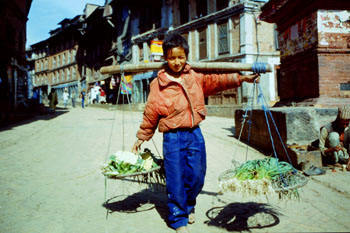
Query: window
150	17
184	11
68	57
54	63
221	4
68	74
61	75
202	8
140	52
202	43
74	53
277	47
63	59
223	38
74	73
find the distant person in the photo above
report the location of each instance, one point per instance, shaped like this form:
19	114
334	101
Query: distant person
335	139
53	100
36	96
176	107
102	96
73	96
82	96
65	98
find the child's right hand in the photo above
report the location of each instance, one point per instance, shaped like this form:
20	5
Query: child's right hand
250	78
137	146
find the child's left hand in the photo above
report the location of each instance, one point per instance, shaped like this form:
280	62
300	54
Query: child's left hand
250	78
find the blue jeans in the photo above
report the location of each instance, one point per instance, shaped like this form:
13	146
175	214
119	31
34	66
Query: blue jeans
82	103
185	167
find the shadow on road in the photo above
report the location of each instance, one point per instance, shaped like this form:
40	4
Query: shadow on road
232	131
138	202
27	117
243	216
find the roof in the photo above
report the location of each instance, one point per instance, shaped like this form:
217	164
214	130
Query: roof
282	10
270	9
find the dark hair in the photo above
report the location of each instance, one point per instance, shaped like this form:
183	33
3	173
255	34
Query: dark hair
174	40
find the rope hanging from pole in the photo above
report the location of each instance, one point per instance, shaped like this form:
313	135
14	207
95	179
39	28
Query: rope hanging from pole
262	176
259	67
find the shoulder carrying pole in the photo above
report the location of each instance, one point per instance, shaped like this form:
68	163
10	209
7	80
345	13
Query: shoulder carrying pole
198	66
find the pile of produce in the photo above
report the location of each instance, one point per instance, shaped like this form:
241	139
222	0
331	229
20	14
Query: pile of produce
263	176
124	163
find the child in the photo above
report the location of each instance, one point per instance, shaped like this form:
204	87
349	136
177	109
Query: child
176	106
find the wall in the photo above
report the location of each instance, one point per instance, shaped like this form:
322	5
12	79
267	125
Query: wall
299	37
334	70
235	43
299	76
315	56
266	37
334	43
333	28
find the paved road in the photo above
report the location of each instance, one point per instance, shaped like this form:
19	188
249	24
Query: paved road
50	181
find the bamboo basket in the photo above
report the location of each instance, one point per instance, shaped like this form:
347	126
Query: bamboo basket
284	185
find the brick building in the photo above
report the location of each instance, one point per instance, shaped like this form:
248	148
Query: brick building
314	40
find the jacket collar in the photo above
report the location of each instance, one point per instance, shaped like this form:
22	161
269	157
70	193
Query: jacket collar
163	80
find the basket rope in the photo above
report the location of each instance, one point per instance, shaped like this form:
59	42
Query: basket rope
145	176
285	182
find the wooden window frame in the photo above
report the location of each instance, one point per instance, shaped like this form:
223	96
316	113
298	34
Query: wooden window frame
221	37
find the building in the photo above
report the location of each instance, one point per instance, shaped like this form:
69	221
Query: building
74	53
56	59
314	40
217	30
131	31
98	44
13	72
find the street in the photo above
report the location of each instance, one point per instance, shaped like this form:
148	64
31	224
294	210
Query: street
51	181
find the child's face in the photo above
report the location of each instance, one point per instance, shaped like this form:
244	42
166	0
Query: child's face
176	58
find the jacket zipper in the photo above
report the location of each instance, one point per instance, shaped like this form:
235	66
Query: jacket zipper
189	101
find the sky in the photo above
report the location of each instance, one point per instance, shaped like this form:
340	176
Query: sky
44	16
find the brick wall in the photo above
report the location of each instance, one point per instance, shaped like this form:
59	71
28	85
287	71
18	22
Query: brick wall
334	69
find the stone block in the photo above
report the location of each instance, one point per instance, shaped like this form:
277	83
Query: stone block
294	126
305	159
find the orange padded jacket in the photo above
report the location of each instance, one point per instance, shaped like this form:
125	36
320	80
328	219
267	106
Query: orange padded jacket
171	105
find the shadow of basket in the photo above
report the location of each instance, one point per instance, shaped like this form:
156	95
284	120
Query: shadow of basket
243	216
144	200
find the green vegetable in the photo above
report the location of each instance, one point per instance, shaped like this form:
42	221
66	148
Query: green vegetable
115	167
269	168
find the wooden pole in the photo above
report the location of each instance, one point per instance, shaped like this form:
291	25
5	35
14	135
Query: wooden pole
198	66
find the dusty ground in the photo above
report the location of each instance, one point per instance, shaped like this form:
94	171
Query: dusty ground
50	181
